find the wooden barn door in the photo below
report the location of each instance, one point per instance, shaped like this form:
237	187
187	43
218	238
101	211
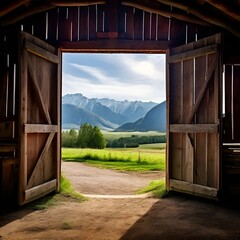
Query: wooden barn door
39	110
194	111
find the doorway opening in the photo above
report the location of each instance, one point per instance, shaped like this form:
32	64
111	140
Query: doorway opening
123	95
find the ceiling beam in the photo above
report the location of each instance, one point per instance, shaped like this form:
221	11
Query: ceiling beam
166	13
14	18
12	6
205	15
223	7
75	3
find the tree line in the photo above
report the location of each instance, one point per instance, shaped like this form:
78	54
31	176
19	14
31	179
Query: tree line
91	137
135	141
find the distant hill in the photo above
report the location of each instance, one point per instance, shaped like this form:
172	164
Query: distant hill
117	112
73	117
154	120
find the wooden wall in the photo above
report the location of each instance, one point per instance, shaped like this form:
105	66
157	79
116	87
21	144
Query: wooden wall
65	25
8	117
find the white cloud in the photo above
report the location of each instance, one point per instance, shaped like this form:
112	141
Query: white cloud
125	76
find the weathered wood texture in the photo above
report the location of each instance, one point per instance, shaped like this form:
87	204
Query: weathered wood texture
63	25
194	84
39	126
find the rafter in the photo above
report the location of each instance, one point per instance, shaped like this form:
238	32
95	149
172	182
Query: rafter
198	12
74	3
165	13
223	7
12	6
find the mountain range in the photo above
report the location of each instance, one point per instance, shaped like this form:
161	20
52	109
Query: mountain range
109	114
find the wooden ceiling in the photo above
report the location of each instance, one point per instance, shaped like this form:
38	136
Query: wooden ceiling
224	14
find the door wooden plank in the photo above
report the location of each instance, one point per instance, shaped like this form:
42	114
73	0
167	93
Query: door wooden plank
194	128
40	190
36	50
194	189
40	128
202	91
193	53
38	92
22	120
40	159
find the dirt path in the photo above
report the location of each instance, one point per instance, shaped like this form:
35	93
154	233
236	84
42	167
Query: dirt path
176	217
94	181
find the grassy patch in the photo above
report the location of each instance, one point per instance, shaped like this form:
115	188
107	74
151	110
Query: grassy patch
157	187
120	159
66	194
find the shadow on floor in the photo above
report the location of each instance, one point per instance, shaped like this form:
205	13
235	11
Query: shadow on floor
10	211
182	217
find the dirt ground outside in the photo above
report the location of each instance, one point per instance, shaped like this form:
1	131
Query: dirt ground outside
113	213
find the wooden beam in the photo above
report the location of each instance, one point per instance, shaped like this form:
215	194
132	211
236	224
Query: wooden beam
205	15
38	92
194	128
12	6
36	50
75	3
14	18
202	90
40	128
117	45
166	13
40	160
40	190
193	53
225	8
193	189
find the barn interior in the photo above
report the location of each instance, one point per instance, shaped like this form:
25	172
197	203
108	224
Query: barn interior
200	39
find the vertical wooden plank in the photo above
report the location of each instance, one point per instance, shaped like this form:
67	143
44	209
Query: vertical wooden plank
22	120
52	25
200	173
59	120
154	26
236	101
130	23
162	28
74	20
92	22
176	28
147	26
175	116
122	20
191	33
64	27
212	114
84	28
111	16
40	26
100	18
138	24
227	134
188	94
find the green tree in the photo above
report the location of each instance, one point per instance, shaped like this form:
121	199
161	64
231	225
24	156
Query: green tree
90	137
69	138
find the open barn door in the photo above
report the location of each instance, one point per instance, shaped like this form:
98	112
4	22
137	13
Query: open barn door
39	118
194	83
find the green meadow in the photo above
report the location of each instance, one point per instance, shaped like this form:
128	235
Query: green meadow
144	158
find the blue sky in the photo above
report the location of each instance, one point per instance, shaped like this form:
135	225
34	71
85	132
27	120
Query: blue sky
116	76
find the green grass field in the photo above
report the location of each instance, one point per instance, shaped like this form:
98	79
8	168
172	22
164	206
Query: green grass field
129	159
115	135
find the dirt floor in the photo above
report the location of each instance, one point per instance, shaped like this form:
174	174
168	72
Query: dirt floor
110	213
